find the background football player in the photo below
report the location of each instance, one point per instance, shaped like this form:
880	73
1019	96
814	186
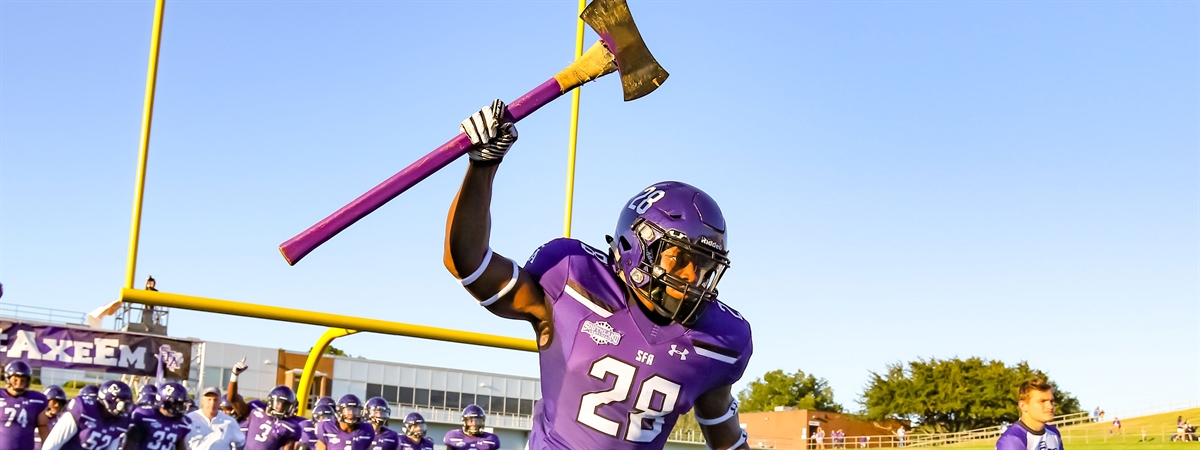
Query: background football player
22	413
322	412
275	425
471	435
147	397
378	412
347	430
414	433
630	337
56	405
164	427
94	423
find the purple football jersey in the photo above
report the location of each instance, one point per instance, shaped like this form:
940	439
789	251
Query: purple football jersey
97	429
270	433
408	443
1020	437
158	431
309	437
19	418
612	378
387	439
336	439
485	441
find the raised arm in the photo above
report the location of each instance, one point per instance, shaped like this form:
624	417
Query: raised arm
499	283
239	404
716	412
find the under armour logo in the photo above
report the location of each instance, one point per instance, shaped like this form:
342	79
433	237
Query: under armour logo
675	351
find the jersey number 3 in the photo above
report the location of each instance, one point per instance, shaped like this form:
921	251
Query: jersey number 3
644	412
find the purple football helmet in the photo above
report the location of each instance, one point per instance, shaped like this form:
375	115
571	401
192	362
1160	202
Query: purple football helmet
53	392
115	397
148	396
19	369
322	413
327	401
281	402
414	426
90	390
670	248
473	419
349	409
378	411
173	398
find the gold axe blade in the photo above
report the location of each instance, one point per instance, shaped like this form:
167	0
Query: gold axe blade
640	72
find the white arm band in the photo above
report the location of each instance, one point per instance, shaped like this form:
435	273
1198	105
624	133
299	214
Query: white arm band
733	406
740	441
487	258
507	287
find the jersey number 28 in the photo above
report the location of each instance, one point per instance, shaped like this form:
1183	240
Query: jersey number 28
643	409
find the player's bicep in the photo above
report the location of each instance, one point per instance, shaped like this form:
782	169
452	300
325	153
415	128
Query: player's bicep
716	412
508	290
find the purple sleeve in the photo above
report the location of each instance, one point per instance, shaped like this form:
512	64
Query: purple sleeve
1010	441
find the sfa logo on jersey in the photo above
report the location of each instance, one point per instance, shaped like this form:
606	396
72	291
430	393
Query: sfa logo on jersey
601	332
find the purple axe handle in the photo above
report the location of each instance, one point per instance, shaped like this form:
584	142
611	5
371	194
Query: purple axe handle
598	61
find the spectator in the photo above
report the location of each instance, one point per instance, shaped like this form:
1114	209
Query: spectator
862	441
1116	426
212	429
150	284
1096	414
1189	431
819	438
1179	436
900	435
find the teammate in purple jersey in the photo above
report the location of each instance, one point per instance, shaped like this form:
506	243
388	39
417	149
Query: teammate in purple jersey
1035	399
347	431
56	405
321	413
378	412
94	423
471	435
21	417
164	427
630	337
274	426
414	433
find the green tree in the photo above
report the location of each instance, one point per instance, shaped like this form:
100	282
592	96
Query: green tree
949	395
797	390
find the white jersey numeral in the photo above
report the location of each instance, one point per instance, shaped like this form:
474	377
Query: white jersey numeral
17	415
162	440
98	441
643	406
597	253
643	201
266	429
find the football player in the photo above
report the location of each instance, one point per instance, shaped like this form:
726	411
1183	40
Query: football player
378	412
471	435
629	337
414	433
1035	399
22	413
94	423
274	426
323	412
147	397
347	431
90	390
164	427
56	404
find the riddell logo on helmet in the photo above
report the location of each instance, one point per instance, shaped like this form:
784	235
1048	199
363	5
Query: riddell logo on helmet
710	243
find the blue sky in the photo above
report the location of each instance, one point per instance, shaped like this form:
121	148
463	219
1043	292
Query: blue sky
1010	180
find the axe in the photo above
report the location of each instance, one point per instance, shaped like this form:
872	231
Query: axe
620	49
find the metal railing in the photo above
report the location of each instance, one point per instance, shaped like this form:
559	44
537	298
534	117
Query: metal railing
454	416
40	314
1161	433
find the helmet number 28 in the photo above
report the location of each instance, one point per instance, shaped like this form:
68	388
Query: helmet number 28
643	201
643	407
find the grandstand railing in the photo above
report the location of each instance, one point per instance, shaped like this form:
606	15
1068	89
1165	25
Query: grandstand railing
454	416
1161	433
40	314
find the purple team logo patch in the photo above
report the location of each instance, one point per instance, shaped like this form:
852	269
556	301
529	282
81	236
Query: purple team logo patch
601	332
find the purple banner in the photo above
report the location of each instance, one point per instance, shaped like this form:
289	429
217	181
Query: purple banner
100	351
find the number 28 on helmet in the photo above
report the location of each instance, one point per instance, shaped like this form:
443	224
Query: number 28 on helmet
670	249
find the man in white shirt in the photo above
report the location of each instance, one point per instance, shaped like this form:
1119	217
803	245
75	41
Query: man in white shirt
211	428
